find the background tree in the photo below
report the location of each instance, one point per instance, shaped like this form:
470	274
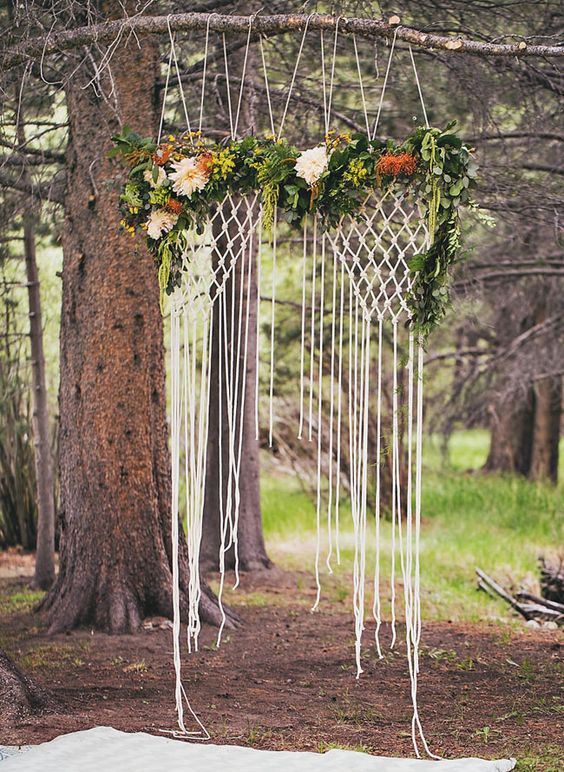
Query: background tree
45	545
18	510
241	302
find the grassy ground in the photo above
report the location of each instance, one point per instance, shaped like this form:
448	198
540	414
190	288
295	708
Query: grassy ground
501	524
487	689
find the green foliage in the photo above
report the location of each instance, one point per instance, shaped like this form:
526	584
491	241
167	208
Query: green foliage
165	262
275	162
129	142
550	759
450	174
160	196
429	293
131	195
432	166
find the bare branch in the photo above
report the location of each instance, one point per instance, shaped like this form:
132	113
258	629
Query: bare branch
264	25
51	191
43	154
22	159
458	354
534	167
501	137
508	274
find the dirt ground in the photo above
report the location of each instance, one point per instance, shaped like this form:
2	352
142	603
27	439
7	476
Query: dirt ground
286	679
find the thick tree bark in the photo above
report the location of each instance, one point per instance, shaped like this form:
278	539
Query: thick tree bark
546	429
115	565
19	695
511	435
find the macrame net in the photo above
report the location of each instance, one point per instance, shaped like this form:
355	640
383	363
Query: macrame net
358	270
374	250
209	261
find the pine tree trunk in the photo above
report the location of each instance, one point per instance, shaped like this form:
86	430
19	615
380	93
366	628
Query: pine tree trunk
115	564
525	428
45	543
511	433
546	429
45	549
251	547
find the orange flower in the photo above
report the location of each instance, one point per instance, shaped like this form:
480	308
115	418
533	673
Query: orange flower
396	163
173	205
162	154
205	163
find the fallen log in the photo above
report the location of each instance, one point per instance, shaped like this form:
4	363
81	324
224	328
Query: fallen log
523	595
552	579
529	606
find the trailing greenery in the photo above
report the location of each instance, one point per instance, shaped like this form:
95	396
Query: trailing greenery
173	186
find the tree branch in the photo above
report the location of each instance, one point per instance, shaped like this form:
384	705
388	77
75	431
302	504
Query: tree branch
42	154
541	328
533	167
508	274
22	159
516	135
458	354
554	261
51	191
265	25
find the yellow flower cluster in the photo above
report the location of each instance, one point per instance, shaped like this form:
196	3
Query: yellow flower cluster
129	228
333	140
356	172
223	162
274	138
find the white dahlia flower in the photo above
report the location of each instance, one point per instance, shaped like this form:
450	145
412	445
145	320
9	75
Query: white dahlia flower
161	177
311	164
160	221
189	176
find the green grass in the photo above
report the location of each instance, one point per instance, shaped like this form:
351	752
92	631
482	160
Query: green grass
550	760
24	600
501	524
323	747
286	509
52	656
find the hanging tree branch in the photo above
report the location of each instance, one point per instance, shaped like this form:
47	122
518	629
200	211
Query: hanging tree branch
107	32
47	191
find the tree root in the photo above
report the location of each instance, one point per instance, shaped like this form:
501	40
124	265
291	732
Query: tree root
20	695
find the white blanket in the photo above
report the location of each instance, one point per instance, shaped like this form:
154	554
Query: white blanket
106	750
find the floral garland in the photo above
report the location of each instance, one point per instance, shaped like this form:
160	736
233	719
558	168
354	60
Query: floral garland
173	185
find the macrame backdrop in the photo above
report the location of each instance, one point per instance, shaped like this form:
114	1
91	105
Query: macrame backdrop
356	274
